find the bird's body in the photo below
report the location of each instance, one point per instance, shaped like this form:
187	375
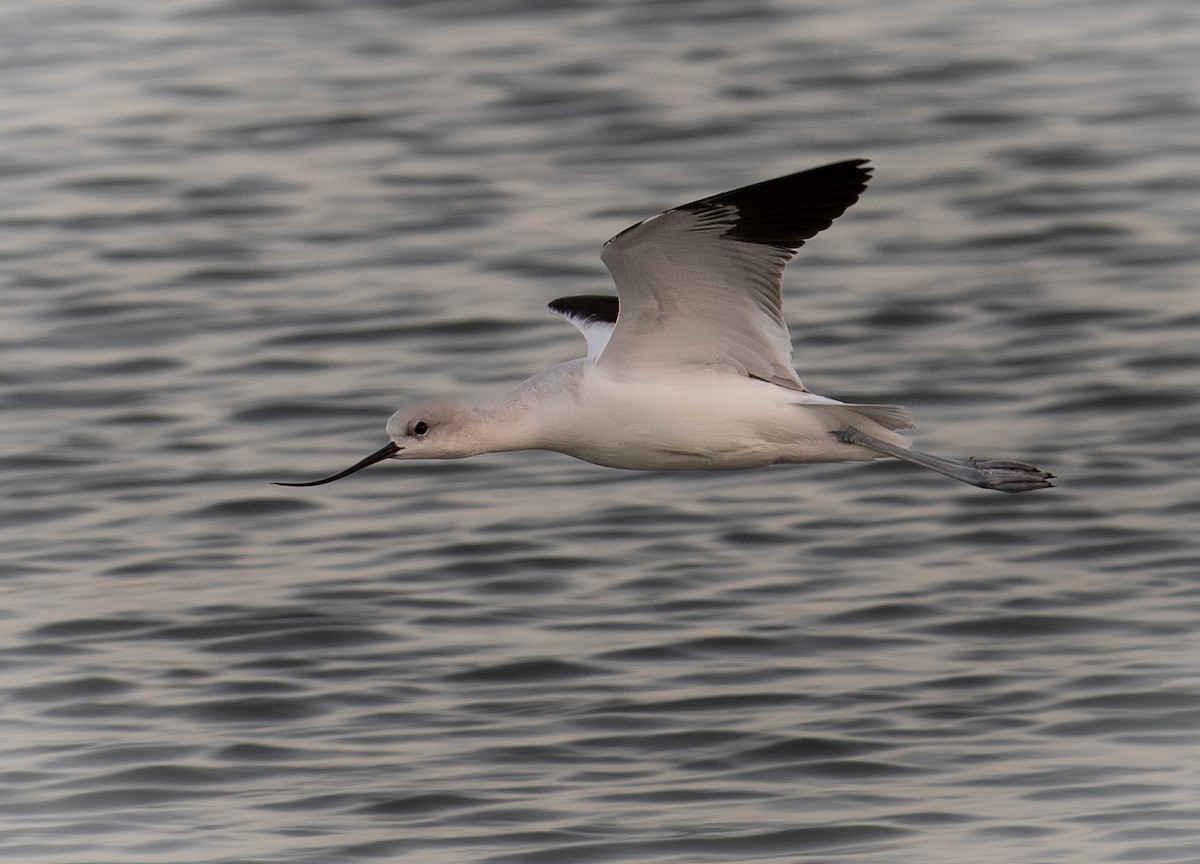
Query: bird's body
708	420
705	421
691	368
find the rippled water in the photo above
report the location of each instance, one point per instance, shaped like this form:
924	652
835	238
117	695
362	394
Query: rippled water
235	235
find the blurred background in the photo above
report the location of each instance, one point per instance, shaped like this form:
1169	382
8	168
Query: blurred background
236	234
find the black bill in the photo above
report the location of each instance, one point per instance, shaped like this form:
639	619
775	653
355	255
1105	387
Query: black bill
387	452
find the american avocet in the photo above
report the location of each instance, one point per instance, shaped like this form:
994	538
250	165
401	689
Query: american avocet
692	369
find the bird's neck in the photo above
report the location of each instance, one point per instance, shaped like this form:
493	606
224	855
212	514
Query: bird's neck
500	426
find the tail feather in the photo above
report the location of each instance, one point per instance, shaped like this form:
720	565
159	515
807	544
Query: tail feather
892	417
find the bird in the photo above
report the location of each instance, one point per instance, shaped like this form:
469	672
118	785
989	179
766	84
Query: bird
690	366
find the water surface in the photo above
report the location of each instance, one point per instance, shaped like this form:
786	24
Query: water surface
237	234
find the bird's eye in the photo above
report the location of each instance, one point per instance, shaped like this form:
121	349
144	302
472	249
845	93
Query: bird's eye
420	427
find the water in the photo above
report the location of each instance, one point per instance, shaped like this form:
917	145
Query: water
235	235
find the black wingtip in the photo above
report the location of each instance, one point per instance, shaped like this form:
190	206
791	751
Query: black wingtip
788	210
587	307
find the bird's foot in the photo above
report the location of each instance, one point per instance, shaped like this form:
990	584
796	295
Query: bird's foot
1009	475
1003	475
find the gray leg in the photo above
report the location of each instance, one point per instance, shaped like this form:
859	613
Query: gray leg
1004	475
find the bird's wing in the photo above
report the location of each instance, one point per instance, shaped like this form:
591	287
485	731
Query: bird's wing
594	314
700	284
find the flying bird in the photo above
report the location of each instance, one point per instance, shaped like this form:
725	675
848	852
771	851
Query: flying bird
690	366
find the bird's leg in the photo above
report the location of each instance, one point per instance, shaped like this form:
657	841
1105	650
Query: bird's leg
1004	475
